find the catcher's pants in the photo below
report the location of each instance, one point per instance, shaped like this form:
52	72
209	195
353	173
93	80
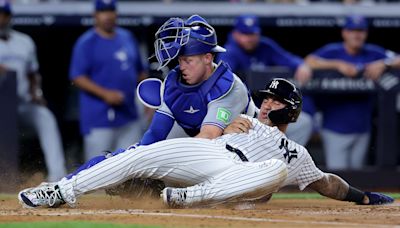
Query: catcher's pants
183	162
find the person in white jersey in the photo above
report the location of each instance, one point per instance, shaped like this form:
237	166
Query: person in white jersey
235	167
18	54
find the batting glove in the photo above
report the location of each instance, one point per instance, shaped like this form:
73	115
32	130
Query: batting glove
376	198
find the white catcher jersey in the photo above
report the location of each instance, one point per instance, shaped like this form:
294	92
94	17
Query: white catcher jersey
263	143
18	53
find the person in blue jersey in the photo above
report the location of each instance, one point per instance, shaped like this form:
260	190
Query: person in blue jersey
106	65
248	50
200	96
347	120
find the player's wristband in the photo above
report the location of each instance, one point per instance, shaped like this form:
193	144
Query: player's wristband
354	195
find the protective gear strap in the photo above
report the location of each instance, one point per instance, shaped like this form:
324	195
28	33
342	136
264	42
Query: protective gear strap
354	195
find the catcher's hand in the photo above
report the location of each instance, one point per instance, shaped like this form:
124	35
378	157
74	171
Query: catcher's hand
239	125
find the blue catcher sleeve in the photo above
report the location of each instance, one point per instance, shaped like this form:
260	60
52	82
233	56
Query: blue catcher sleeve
159	128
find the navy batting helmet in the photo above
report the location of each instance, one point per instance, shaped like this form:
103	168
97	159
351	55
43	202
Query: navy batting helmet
191	37
287	93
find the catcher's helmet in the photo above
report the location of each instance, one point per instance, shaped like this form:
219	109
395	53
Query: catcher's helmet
287	93
191	37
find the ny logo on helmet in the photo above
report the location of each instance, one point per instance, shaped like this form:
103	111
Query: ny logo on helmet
274	84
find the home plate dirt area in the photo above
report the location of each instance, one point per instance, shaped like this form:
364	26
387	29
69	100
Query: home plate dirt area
150	211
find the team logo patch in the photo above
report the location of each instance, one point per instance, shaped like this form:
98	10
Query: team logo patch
289	154
191	110
274	84
223	115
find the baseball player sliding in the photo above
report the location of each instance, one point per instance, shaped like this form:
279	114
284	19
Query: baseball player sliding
200	96
248	165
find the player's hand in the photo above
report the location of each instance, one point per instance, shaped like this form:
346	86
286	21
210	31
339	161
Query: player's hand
39	100
376	198
375	69
303	74
347	69
113	97
3	69
239	125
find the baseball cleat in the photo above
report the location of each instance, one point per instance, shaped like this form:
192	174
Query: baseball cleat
174	197
46	194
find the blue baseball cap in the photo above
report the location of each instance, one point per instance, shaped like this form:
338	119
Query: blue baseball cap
105	5
247	24
5	6
355	22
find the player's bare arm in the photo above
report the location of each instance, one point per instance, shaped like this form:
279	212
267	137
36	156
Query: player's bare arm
209	132
335	187
346	69
331	186
35	88
3	69
112	97
239	125
303	74
375	69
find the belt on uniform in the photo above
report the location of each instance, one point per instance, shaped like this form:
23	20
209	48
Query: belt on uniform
238	152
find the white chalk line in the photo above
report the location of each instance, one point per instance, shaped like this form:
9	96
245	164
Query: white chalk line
163	214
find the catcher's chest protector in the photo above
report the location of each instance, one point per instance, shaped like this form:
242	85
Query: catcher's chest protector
189	103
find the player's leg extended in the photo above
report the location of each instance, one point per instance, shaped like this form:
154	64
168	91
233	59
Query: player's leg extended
337	149
359	150
128	134
48	133
99	139
184	161
241	182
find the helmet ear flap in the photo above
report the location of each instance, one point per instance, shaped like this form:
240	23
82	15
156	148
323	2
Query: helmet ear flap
287	93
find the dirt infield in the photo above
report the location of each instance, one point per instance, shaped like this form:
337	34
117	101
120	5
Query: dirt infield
277	213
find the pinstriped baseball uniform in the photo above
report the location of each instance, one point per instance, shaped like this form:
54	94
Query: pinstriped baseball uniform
262	143
220	174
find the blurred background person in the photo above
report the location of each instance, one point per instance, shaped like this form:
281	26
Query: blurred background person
106	65
248	50
18	53
346	124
